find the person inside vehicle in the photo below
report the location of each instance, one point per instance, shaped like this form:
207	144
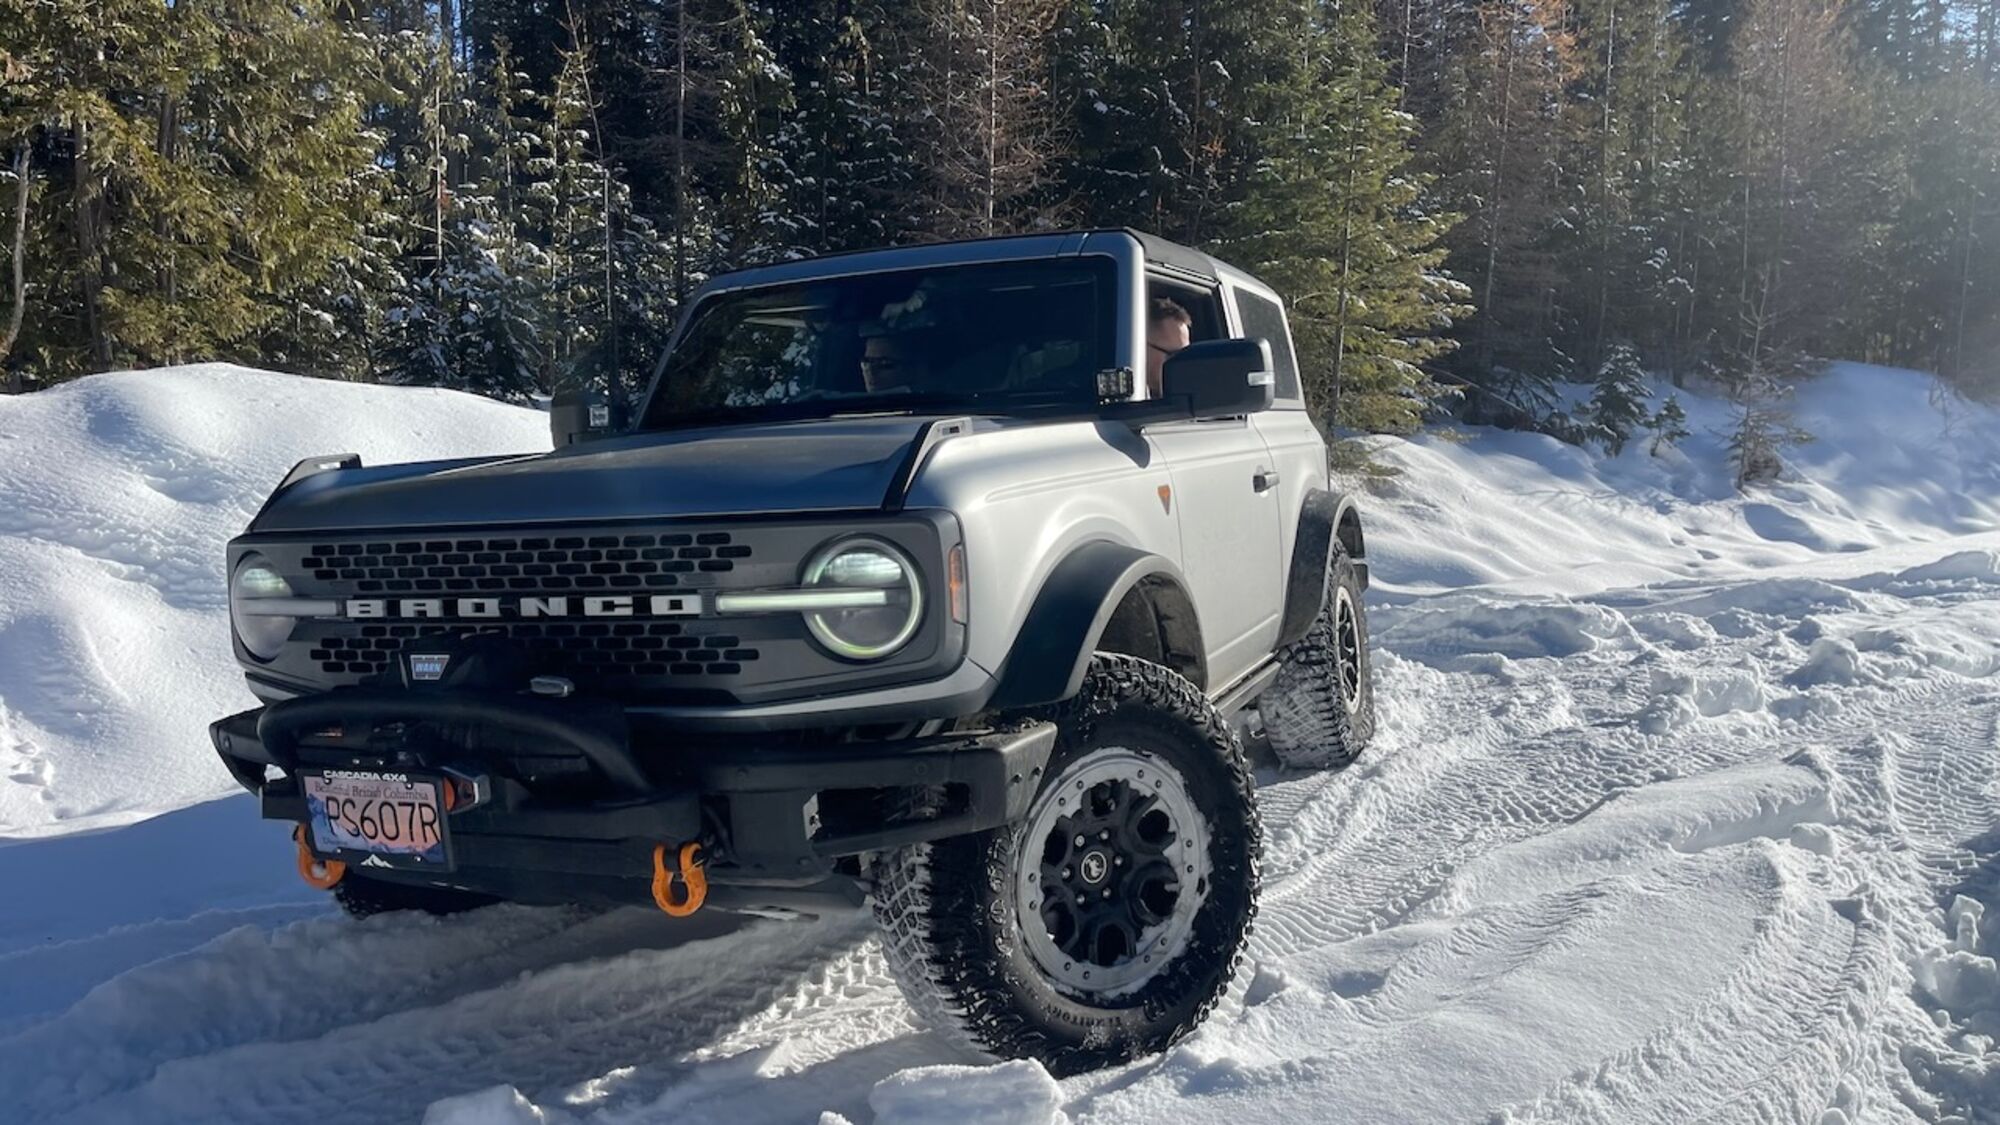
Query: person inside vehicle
891	363
1167	328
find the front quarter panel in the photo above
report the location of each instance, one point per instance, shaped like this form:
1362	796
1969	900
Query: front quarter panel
1028	495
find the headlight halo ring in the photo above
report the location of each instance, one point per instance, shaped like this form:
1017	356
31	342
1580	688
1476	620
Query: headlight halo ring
828	636
262	636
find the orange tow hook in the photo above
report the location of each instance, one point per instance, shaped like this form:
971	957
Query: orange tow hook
690	875
319	874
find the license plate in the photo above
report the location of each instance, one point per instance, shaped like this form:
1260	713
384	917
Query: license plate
378	819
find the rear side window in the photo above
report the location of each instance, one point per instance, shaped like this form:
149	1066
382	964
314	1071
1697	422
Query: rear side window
1263	317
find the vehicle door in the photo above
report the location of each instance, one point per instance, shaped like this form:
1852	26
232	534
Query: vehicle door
1297	450
1227	510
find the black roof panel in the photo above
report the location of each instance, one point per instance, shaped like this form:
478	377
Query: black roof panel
1040	244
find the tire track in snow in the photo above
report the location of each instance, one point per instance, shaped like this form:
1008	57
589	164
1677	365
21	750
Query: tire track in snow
297	984
1484	782
1769	1044
544	1031
1824	981
1791	1037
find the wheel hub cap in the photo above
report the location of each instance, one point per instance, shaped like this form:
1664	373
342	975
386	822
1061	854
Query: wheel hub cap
1347	637
1112	866
1095	867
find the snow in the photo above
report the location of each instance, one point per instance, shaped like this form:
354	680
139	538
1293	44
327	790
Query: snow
1009	1093
117	493
1684	806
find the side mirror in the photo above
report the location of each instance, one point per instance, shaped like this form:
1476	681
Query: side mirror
577	416
1220	378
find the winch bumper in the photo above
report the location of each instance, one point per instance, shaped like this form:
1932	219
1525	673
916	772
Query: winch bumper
564	800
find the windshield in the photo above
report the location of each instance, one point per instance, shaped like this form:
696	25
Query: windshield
984	338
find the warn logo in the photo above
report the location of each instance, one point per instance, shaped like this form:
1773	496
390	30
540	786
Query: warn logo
430	668
613	605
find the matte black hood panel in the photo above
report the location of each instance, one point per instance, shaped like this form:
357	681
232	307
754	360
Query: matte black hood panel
819	465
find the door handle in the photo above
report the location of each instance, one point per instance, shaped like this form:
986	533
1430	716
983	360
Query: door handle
1265	480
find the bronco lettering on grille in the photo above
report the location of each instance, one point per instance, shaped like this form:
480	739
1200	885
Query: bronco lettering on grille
616	605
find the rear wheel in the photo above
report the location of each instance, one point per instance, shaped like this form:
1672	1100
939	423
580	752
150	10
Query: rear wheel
362	897
1106	923
1320	711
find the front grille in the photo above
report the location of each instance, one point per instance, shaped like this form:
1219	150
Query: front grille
705	658
527	564
603	652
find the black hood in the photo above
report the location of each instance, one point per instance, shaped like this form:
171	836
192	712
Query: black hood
811	466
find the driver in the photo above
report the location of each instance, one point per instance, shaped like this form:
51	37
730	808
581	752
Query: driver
894	363
1167	327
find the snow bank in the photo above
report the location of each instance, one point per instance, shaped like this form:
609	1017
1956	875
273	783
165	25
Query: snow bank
117	493
1894	460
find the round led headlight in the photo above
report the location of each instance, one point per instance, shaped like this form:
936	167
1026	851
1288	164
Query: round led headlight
262	633
876	626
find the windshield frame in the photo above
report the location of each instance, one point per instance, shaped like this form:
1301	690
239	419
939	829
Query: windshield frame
1117	269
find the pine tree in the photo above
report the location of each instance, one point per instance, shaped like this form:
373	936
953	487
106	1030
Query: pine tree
201	166
1330	216
511	140
1669	424
1495	149
1810	207
1163	115
1938	293
1625	108
426	317
991	128
605	291
1618	399
853	184
1764	426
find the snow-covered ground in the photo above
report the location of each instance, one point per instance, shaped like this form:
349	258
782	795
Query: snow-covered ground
1685	806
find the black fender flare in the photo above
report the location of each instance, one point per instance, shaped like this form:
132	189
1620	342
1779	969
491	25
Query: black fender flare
1051	653
1324	518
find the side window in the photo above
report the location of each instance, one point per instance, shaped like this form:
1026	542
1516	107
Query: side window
1263	317
1204	307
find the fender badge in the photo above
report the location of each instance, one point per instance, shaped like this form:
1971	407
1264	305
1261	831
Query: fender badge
1167	498
427	667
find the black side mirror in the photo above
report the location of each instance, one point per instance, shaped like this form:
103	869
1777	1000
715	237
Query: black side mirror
1221	378
576	416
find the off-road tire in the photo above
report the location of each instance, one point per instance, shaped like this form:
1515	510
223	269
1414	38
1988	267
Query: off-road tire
1311	721
948	910
362	897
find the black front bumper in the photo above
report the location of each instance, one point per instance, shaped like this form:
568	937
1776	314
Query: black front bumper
564	800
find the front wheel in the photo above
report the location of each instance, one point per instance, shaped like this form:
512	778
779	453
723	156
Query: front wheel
1106	923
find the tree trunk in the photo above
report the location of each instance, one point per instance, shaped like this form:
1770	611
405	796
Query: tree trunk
166	142
18	307
1346	273
1605	211
1954	368
680	152
1494	197
89	247
1403	74
992	111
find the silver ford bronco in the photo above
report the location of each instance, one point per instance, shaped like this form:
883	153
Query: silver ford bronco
917	579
